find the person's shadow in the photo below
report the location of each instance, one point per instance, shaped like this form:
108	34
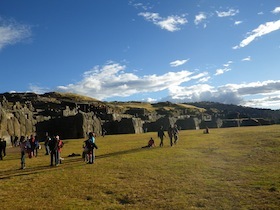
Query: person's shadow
67	163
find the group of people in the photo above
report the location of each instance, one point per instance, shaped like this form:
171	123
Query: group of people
173	135
89	147
31	145
53	146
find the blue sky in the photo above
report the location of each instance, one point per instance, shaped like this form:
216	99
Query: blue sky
180	50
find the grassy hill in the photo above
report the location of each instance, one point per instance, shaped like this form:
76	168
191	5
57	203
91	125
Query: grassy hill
230	168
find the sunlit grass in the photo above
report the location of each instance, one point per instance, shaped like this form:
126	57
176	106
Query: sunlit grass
233	168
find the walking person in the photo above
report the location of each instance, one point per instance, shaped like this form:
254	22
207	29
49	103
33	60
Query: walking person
176	134
23	149
161	135
170	135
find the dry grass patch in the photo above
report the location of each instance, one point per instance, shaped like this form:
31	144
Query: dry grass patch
235	168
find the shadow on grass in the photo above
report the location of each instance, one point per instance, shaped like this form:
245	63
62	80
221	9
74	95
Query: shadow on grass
69	162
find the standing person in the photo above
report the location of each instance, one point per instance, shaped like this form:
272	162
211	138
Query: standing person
23	148
28	147
60	144
91	146
4	145
104	132
37	145
46	143
53	144
1	149
15	141
161	135
32	144
176	134
170	135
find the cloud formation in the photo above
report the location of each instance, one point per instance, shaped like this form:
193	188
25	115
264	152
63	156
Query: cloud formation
276	10
12	32
170	23
247	59
111	80
178	63
237	22
258	94
199	18
230	12
262	30
226	68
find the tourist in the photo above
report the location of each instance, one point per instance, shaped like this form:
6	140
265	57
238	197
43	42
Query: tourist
176	134
4	145
32	144
170	134
151	143
90	144
46	143
85	155
37	146
60	144
161	135
23	149
15	144
1	149
53	145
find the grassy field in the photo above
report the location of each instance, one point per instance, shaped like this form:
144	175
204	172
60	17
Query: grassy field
233	168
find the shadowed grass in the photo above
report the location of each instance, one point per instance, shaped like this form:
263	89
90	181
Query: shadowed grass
234	168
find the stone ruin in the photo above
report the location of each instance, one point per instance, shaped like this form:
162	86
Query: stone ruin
23	114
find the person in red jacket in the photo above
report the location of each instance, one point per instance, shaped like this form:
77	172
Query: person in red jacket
151	143
60	144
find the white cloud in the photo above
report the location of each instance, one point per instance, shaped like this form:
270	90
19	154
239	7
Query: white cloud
261	94
230	12
12	32
170	23
221	71
150	100
224	69
199	18
247	59
263	29
111	80
178	63
237	22
276	10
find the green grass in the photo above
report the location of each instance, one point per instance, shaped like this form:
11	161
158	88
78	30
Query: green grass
233	168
